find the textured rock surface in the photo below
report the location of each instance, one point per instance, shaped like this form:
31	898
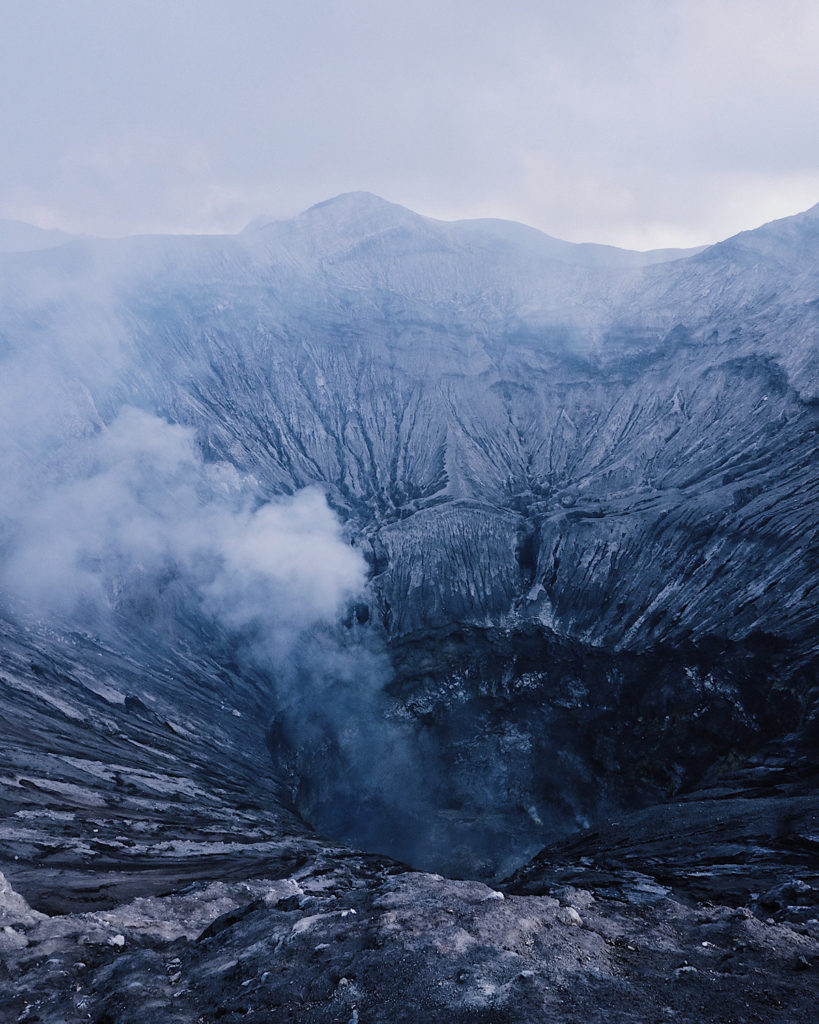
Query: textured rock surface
352	940
585	485
623	453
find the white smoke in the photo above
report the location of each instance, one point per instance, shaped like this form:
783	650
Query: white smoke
137	515
114	524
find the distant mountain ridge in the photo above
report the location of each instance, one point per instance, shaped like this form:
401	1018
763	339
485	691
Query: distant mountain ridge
365	208
17	236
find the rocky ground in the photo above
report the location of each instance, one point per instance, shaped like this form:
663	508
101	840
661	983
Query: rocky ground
349	938
150	899
149	875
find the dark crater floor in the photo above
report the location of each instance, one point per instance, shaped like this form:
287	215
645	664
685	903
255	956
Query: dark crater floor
158	862
494	739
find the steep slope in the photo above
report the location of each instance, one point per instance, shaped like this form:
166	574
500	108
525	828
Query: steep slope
431	375
581	484
621	458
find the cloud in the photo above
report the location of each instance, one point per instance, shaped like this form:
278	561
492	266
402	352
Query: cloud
634	123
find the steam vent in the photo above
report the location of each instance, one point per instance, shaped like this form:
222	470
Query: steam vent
409	621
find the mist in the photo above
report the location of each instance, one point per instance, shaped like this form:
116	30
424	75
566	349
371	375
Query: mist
138	512
171	485
115	525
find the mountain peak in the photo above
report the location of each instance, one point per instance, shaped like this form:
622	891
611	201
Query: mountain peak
336	223
358	201
359	211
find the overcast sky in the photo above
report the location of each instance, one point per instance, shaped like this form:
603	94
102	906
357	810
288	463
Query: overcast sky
635	122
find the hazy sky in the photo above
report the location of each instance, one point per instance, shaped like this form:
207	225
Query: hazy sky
637	122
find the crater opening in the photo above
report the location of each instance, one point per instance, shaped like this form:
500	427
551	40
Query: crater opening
489	744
